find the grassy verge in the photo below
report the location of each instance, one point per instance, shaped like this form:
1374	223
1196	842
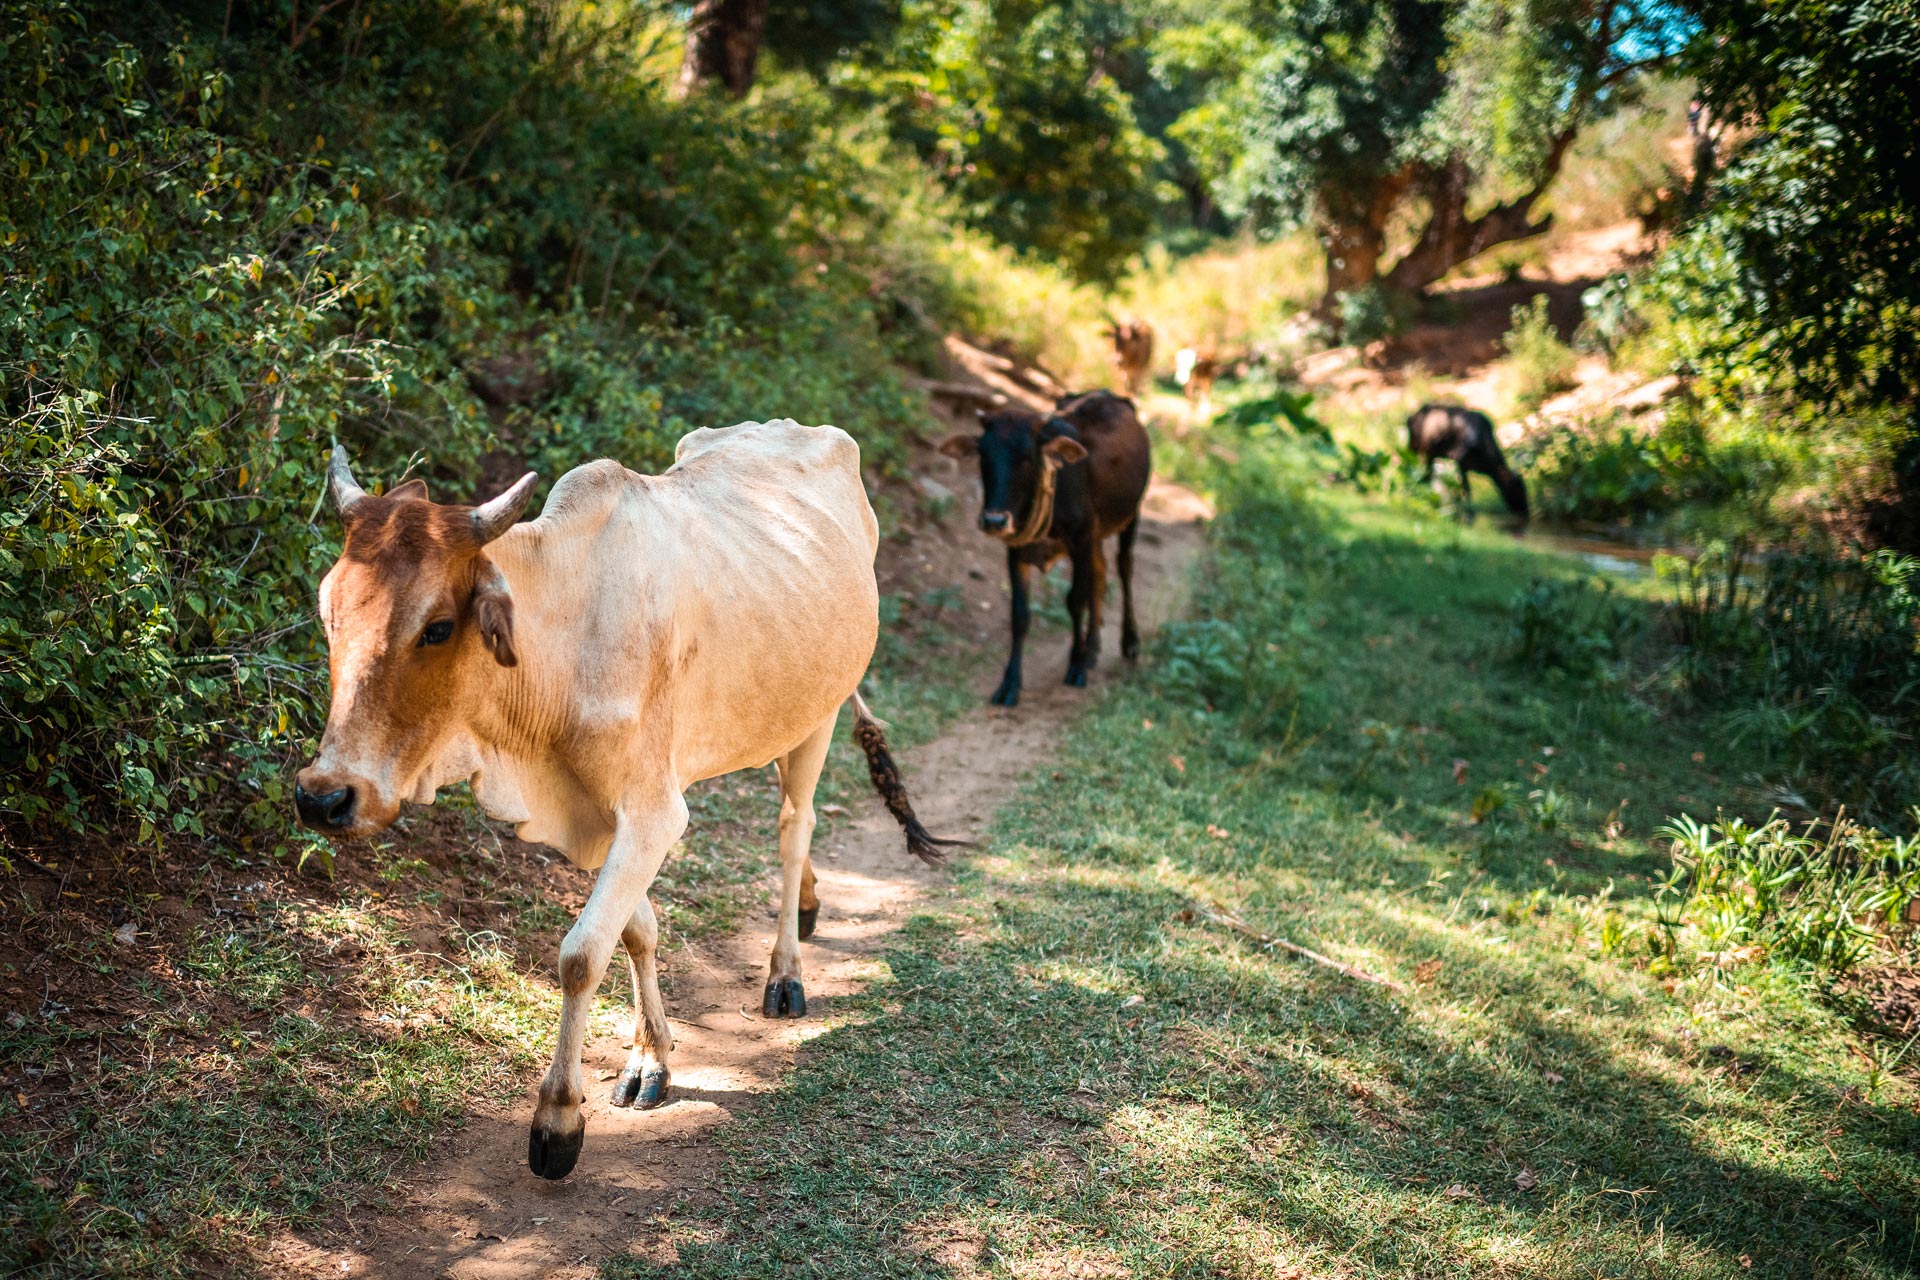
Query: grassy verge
198	1053
1064	1069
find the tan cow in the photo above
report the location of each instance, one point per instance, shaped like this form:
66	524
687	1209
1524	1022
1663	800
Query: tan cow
585	668
1132	353
1195	368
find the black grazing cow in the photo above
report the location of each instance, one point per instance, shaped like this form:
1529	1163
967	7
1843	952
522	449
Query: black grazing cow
1466	436
1058	484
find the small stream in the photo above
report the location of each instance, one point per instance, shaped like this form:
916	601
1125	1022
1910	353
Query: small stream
1597	551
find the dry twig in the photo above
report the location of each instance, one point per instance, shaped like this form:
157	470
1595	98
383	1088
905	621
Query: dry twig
1226	919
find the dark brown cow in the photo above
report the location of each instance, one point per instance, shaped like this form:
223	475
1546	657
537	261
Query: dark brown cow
1467	436
1057	485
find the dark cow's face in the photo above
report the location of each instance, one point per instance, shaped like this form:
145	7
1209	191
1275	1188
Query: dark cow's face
413	611
1012	449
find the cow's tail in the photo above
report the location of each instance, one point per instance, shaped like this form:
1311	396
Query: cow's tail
867	731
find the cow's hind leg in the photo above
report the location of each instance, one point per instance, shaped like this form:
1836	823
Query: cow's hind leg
644	1083
799	773
1096	605
642	835
1079	600
1129	631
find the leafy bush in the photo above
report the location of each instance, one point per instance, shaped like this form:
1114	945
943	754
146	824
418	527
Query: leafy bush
1371	313
1538	362
1826	902
1819	653
225	243
1615	470
1576	626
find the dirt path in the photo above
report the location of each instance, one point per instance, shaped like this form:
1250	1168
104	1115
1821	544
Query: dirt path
474	1212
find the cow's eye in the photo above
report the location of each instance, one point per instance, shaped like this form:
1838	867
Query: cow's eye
437	633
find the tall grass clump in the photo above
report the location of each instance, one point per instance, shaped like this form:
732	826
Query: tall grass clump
1827	900
1815	654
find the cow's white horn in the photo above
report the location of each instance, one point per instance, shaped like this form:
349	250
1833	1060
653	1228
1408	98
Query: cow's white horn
491	519
346	493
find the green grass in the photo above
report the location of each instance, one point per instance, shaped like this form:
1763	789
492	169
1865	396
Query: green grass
1063	1069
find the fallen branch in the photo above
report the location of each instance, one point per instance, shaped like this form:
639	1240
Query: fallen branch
1226	919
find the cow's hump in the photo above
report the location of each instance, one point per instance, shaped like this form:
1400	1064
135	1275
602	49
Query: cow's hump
782	439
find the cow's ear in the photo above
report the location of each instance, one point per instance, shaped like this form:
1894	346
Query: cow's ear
493	612
1066	449
964	445
411	491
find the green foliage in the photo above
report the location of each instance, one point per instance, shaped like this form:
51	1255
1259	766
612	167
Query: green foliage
1357	108
429	234
1373	312
1018	106
1828	902
1616	470
1819	656
1576	627
1540	364
1808	257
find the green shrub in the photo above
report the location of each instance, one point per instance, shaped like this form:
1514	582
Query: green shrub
440	231
1577	627
1827	902
1616	470
1540	364
1816	654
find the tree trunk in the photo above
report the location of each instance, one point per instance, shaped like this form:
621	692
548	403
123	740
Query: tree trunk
1354	235
1451	237
723	45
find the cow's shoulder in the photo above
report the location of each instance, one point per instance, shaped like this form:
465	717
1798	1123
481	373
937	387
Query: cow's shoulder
782	442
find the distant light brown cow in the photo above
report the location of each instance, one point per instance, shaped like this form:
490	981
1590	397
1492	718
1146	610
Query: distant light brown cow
1195	368
1132	353
585	668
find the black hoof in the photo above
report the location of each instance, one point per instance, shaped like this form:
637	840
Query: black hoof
785	998
809	917
1007	695
643	1089
1077	676
553	1155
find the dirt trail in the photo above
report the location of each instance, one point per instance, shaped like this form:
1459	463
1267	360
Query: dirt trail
474	1212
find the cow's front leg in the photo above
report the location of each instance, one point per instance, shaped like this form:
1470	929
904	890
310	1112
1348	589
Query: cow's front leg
641	839
1129	631
1008	694
1079	602
785	997
644	1083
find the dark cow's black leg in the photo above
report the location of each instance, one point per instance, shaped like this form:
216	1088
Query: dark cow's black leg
1079	610
1008	694
1129	633
1466	493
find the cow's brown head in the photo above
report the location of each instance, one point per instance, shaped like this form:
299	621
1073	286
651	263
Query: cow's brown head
414	612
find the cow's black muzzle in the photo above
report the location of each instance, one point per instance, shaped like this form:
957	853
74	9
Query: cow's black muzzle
331	811
993	521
